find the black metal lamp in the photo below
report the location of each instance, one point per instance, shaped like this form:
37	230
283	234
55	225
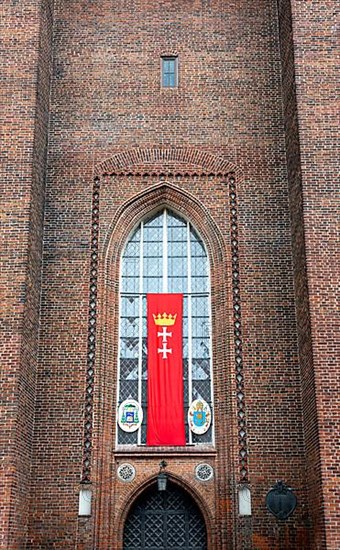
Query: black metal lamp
162	478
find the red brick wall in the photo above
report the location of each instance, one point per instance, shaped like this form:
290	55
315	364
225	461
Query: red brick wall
24	98
311	427
315	46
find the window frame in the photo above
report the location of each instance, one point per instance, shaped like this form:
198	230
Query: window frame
175	72
189	294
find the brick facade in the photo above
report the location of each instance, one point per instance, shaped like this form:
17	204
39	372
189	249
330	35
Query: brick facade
310	103
241	149
24	102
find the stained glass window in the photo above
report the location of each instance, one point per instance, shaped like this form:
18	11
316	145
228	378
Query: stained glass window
164	254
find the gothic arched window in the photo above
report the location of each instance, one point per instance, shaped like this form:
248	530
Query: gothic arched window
164	254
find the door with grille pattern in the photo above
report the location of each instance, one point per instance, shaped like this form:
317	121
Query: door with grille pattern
168	520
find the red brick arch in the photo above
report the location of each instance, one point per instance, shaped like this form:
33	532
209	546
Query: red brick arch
172	160
180	482
162	194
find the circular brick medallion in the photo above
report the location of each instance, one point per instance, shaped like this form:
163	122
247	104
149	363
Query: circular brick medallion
204	472
126	472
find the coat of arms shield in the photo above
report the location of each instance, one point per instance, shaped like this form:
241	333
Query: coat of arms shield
199	416
130	415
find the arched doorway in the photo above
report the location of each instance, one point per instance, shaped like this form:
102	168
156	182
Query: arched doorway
167	520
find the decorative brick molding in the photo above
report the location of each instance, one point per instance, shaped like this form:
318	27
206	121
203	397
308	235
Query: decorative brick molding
175	161
240	393
91	342
166	193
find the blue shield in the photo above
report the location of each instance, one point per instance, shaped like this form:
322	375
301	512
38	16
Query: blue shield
199	418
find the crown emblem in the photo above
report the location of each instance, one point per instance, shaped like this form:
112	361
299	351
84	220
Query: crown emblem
165	320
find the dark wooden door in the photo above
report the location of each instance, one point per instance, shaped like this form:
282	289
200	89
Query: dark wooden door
168	520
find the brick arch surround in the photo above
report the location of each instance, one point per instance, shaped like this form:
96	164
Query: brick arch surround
121	198
176	160
198	499
127	216
154	198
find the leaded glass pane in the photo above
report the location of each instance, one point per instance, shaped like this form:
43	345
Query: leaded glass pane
144	348
128	389
204	438
153	248
197	247
152	268
185	306
135	236
144	368
177	285
154	221
125	438
185	347
200	369
143	427
144	390
130	306
130	283
144	318
200	306
186	392
201	326
129	369
200	348
201	390
152	235
132	249
177	239
177	262
199	284
185	327
185	369
174	220
130	326
129	347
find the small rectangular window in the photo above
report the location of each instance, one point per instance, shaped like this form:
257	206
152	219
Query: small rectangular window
169	72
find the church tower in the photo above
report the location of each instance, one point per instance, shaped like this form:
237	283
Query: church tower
169	272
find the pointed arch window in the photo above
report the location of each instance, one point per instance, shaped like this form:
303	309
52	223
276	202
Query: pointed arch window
164	254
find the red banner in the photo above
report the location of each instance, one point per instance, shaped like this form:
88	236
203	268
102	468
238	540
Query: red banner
165	421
